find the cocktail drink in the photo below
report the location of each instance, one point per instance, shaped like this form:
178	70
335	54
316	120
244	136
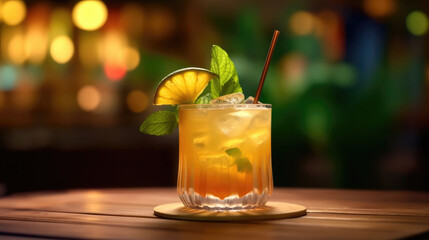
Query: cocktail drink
224	140
224	155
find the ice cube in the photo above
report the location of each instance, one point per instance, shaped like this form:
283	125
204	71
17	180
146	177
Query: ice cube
260	119
250	100
234	98
259	136
235	123
232	143
200	141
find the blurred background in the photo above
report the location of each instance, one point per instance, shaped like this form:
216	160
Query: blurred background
348	83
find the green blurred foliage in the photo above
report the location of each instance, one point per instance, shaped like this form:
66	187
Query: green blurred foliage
322	112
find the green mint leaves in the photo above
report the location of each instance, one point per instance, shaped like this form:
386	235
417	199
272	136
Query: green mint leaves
164	122
222	65
234	152
227	82
243	163
160	123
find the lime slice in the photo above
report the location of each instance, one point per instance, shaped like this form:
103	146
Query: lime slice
182	86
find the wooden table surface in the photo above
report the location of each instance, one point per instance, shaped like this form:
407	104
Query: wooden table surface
128	214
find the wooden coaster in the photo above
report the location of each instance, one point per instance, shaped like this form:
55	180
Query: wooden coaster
273	210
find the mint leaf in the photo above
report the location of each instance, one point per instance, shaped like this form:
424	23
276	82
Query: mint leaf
234	152
222	65
243	165
215	88
160	123
205	96
231	87
204	99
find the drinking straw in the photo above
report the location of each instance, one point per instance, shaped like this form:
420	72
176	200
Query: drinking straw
267	63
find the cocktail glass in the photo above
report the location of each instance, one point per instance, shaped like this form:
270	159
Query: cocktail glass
224	156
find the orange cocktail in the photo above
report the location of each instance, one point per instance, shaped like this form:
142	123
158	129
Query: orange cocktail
225	155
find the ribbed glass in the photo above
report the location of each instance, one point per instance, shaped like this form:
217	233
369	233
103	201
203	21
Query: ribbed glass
224	156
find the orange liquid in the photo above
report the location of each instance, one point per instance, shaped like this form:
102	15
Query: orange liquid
206	134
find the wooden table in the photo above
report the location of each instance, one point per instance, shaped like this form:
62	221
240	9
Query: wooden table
128	214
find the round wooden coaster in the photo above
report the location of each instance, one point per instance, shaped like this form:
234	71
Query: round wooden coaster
272	210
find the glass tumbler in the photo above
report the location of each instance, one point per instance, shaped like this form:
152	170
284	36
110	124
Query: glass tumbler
224	156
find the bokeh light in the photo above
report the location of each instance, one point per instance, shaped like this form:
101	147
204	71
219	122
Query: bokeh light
111	47
109	98
112	54
379	8
293	67
36	44
132	58
62	49
16	49
115	72
88	98
13	12
417	23
329	28
8	76
137	101
89	15
302	23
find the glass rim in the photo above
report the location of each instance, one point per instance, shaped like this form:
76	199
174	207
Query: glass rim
228	105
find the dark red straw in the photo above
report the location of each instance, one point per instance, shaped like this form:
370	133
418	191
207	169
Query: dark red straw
267	63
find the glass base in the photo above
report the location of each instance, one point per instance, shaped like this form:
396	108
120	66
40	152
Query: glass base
251	200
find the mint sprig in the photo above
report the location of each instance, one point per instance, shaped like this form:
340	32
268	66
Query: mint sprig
160	123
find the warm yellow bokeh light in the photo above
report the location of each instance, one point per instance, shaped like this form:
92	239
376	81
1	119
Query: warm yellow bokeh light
16	49
302	23
132	58
89	15
111	48
137	101
88	98
36	44
13	12
62	49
